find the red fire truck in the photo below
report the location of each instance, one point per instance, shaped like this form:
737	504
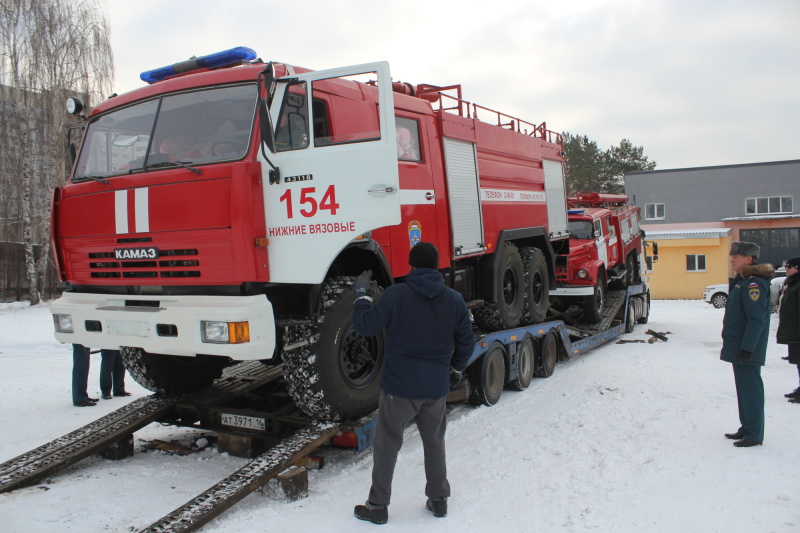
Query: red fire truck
606	251
221	212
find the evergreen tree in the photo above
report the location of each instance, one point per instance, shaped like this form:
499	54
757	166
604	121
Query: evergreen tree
588	168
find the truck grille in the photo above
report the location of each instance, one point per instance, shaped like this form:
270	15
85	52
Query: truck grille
170	264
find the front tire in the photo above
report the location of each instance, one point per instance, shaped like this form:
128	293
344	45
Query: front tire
595	305
172	374
337	375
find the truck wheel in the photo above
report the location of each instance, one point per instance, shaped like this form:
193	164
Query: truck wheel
646	311
630	272
172	374
595	304
630	318
337	375
537	286
525	361
489	376
548	356
509	288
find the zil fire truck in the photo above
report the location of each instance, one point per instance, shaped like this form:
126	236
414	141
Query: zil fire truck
221	212
606	251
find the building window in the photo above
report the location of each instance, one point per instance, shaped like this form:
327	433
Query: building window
696	263
768	205
654	211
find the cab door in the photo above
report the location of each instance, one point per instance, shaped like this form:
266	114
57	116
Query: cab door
337	158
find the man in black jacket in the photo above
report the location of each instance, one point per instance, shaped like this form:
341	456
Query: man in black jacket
428	337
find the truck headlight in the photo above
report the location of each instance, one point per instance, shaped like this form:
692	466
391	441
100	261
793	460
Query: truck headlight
583	273
63	323
225	332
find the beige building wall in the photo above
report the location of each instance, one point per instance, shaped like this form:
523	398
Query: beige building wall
670	280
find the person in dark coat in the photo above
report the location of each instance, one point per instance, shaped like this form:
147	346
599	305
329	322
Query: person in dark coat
789	318
745	333
112	374
429	342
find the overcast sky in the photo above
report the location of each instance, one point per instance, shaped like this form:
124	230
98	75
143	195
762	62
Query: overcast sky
696	82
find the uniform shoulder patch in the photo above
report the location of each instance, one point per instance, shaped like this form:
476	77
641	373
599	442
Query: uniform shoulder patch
754	291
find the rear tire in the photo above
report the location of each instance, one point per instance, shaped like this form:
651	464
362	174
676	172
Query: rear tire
630	317
646	311
526	358
489	376
537	286
509	289
172	374
337	375
548	356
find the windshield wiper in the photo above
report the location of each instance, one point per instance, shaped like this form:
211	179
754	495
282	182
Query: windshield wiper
172	164
95	178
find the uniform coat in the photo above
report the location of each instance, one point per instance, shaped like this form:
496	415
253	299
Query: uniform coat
746	323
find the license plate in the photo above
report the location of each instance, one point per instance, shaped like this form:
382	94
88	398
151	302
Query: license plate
246	422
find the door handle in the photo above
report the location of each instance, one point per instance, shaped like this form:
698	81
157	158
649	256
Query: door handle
382	190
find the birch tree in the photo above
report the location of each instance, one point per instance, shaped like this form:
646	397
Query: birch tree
49	49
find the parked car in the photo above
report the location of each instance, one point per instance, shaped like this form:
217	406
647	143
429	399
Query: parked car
717	295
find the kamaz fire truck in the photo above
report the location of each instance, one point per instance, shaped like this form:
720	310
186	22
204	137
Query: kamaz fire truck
607	250
221	212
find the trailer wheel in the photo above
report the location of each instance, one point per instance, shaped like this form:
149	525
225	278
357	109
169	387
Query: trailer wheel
509	289
630	317
525	362
537	286
172	374
548	356
595	304
646	311
489	376
337	375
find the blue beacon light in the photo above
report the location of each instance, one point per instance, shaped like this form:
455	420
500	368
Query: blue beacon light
211	61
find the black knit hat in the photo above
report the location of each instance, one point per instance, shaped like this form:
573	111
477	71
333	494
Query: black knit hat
423	255
745	248
793	262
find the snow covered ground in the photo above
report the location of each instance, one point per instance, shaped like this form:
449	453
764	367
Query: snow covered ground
626	438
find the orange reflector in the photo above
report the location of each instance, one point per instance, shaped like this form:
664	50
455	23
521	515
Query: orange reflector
262	242
513	337
541	331
483	345
238	332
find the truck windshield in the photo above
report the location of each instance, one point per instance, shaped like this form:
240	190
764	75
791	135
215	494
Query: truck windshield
187	128
581	229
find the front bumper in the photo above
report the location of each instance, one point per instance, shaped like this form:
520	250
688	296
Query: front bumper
166	324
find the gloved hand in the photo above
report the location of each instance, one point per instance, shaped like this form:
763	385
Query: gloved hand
362	285
745	356
455	377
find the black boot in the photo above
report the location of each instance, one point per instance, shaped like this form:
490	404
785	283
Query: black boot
438	507
794	394
377	514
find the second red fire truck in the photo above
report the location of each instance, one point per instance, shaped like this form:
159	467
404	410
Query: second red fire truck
607	251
